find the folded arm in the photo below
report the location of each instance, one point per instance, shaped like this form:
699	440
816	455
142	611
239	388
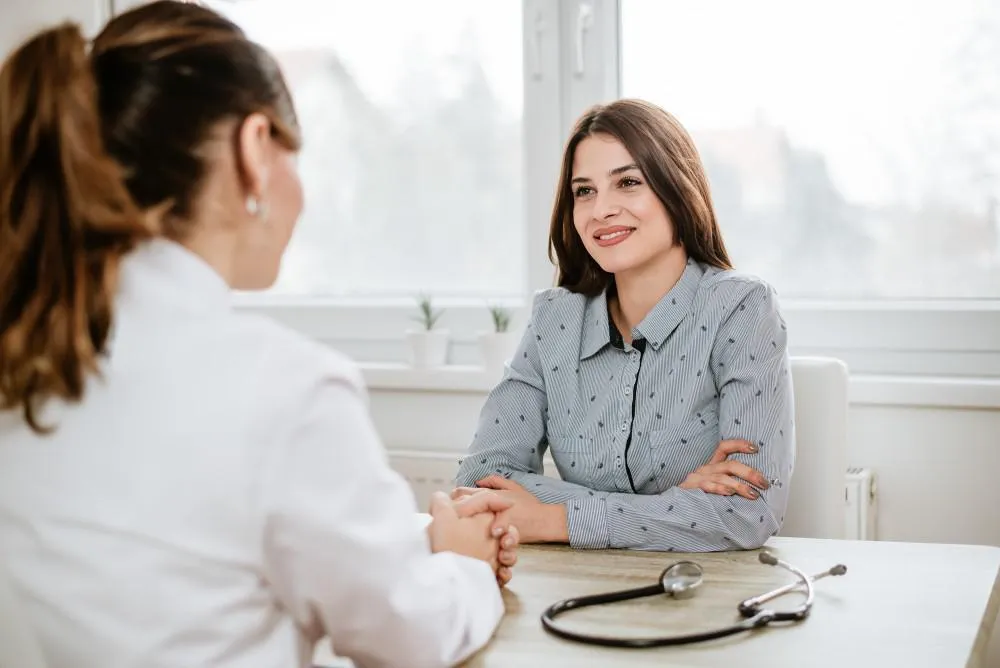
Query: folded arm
751	369
750	363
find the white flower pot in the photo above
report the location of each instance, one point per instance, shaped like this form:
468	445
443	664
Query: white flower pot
428	348
496	349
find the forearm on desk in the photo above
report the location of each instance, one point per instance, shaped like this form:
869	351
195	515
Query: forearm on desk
685	520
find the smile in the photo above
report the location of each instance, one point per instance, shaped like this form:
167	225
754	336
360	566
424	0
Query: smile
613	236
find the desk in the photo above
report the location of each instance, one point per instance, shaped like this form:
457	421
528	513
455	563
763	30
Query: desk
900	604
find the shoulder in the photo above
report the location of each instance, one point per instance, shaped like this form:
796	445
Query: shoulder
558	306
292	361
726	291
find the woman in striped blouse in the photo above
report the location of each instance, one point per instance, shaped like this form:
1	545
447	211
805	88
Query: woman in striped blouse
655	375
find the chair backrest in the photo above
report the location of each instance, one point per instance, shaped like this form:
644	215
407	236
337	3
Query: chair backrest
816	495
18	645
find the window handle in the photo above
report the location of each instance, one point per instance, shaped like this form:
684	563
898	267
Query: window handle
584	22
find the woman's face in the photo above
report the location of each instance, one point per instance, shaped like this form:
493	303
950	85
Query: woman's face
623	224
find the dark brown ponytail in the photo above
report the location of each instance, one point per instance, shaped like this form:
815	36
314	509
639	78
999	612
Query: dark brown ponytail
66	220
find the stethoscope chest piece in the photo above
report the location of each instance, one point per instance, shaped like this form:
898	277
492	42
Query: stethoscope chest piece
681	579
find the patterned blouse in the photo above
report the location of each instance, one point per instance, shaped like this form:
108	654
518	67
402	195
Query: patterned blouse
626	424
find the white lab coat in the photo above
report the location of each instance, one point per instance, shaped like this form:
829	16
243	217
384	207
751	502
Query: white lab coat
220	498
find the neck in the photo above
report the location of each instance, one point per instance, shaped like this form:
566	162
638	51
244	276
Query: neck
640	289
215	248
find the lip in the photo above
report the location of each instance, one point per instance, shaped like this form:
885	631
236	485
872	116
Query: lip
614	241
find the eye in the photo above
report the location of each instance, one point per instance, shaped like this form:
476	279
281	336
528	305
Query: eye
583	191
629	182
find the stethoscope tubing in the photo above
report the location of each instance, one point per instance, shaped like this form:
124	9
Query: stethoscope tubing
754	617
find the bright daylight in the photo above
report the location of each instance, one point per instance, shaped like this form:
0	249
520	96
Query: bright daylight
510	334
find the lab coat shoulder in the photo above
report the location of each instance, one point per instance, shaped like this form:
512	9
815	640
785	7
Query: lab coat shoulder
294	362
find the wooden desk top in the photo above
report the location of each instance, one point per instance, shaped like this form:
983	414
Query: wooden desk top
900	604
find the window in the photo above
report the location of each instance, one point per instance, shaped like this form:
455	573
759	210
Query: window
413	154
853	146
853	150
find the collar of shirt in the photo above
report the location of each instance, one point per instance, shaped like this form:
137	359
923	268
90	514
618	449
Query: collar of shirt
168	269
655	327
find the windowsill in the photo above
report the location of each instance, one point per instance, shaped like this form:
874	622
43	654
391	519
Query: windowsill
451	378
865	390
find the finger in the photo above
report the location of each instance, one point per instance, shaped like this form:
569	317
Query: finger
504	575
442	506
512	539
731	447
498	482
460	492
481	503
713	487
741	470
736	486
507	558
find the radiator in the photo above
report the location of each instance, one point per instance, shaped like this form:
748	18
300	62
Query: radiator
861	504
428	472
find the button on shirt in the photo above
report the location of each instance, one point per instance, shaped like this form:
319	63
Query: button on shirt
626	424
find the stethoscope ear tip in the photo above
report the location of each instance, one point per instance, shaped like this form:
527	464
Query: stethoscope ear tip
768	558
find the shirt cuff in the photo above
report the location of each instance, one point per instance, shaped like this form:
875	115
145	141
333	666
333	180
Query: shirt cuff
587	523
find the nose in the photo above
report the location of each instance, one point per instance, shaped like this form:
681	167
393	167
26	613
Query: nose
606	206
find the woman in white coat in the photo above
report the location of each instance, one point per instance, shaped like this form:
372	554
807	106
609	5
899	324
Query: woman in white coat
182	484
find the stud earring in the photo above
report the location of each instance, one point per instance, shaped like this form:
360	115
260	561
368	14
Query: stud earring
256	207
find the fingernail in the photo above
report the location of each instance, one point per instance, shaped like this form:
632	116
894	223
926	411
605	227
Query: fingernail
753	448
508	542
754	493
497	532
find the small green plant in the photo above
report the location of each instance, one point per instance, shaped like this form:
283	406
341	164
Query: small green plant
501	319
428	316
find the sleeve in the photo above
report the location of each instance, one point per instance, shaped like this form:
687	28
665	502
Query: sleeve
510	436
751	367
345	555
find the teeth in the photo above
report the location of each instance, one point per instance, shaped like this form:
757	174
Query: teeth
613	235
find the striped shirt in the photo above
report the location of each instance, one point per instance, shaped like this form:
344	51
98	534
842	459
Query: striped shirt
625	424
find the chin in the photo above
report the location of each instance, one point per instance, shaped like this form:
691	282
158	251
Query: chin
616	262
256	283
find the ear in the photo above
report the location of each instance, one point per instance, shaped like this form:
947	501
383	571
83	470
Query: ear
254	153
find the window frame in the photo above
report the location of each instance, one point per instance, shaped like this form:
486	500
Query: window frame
883	337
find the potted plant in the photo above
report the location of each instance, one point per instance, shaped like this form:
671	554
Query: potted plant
428	346
498	345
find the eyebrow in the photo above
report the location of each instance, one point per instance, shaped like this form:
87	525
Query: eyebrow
614	172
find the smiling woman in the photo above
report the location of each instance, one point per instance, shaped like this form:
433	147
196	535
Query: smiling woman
655	373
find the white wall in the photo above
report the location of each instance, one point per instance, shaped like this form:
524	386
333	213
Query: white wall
20	18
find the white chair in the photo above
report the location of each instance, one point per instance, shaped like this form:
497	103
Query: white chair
816	495
18	645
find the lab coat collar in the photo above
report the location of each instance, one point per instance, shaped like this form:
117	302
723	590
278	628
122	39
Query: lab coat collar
171	270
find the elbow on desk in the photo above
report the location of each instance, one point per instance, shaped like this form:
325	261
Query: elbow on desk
753	527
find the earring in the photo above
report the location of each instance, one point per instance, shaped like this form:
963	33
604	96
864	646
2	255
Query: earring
256	207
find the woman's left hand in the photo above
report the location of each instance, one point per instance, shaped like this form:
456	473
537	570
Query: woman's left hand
536	522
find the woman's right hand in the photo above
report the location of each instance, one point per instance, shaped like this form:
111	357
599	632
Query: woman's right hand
727	476
469	536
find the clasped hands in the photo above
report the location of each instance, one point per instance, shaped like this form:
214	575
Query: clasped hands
512	505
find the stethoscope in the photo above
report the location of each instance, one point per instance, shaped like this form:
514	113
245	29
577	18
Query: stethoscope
680	580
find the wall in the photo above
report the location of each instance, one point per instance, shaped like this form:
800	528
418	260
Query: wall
20	18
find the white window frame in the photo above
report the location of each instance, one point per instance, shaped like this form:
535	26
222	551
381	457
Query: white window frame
915	337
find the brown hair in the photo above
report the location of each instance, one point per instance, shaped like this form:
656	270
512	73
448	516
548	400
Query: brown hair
667	157
93	144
